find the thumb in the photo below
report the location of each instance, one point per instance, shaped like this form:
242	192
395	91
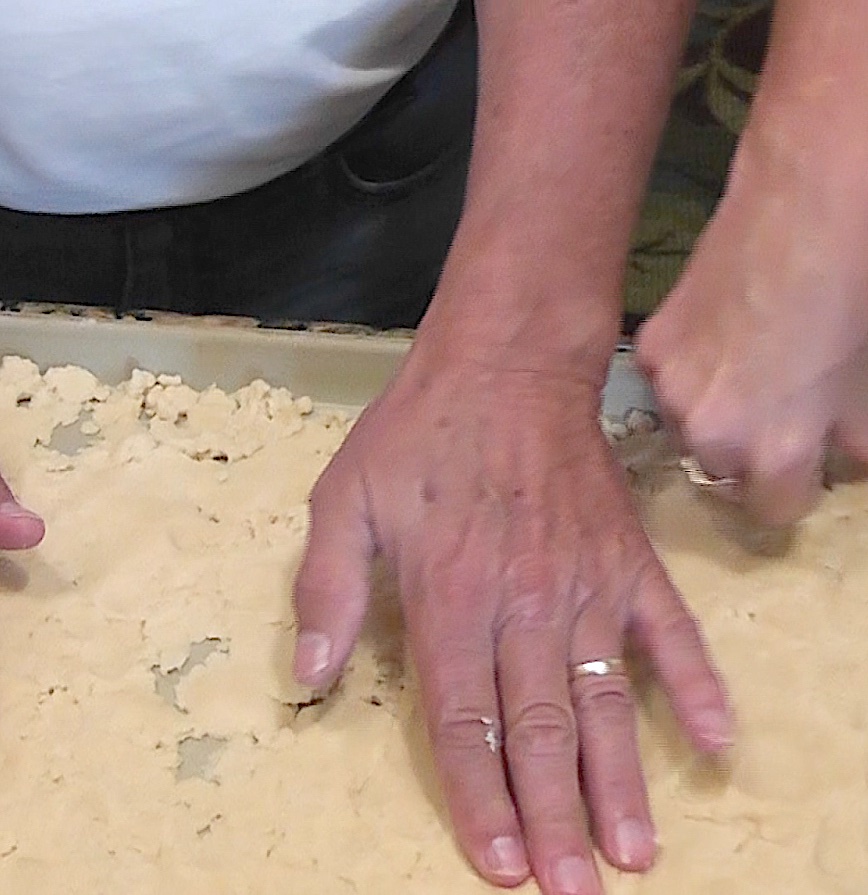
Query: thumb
333	582
19	527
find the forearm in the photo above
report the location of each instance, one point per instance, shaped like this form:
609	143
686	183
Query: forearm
811	108
817	55
573	96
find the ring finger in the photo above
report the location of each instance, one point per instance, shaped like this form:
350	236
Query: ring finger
612	781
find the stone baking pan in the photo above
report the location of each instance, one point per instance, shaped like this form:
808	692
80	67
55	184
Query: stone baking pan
785	812
333	364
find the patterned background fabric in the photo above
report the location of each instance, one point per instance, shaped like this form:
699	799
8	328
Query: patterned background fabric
719	75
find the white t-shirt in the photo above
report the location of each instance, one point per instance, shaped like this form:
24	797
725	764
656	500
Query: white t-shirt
109	105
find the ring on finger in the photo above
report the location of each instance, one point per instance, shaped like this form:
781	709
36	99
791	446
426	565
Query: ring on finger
697	476
598	668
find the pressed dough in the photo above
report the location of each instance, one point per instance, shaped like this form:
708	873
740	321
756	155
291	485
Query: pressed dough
152	739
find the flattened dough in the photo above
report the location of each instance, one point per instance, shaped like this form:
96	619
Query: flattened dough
152	740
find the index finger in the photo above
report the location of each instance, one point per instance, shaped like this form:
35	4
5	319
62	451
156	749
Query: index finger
455	661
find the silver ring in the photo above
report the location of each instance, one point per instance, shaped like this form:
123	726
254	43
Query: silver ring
493	735
598	667
696	475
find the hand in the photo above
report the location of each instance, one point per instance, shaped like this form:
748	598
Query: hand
493	495
19	528
759	357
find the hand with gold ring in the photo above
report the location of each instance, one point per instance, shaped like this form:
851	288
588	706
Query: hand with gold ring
523	571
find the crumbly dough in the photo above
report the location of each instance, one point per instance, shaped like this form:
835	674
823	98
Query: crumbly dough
152	739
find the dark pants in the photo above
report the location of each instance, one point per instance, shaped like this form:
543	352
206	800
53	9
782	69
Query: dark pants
358	234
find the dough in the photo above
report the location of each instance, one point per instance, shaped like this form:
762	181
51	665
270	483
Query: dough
152	739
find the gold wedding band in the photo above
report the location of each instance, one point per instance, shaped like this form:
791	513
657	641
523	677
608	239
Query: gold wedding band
598	668
696	475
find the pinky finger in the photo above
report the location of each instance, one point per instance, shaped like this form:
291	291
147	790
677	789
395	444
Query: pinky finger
667	633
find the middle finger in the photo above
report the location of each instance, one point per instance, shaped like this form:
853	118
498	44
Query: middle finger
541	748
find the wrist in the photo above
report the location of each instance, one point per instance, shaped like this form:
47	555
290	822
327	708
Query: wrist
504	314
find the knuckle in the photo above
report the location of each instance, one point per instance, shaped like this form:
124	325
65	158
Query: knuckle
532	594
460	730
542	730
312	579
617	781
707	428
784	456
670	374
454	590
316	589
607	700
447	595
530	575
679	627
526	615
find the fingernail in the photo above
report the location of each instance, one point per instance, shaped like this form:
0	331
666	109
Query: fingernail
574	876
506	857
15	511
313	652
634	842
715	727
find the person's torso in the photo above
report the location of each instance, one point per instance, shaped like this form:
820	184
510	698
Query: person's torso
110	105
